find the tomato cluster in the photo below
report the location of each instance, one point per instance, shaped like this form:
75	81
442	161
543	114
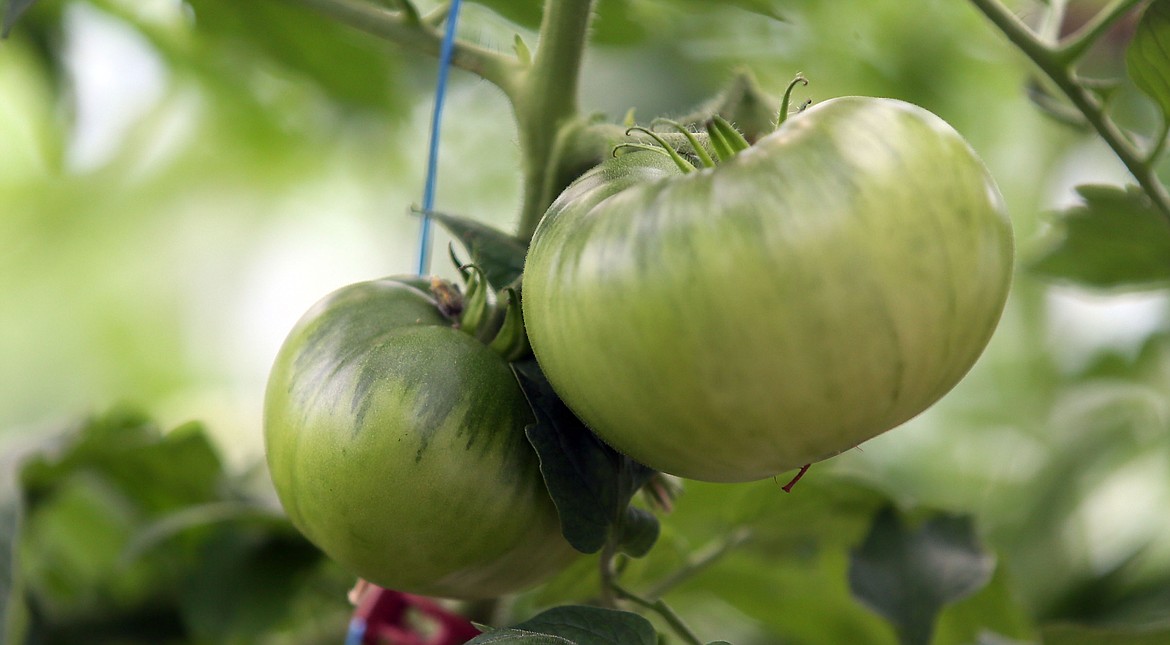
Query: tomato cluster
772	307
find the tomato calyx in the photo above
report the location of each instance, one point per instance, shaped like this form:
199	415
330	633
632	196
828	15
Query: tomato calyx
723	141
786	102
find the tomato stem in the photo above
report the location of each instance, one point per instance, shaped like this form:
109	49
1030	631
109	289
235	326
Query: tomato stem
547	101
1057	63
660	607
787	488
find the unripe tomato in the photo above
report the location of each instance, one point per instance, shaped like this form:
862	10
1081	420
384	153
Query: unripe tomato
396	445
819	288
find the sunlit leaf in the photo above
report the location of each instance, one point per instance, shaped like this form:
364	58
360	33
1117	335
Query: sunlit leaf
1148	58
908	574
352	68
1115	239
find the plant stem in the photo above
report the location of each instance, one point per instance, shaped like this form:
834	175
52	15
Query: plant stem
662	609
700	560
502	71
1058	69
548	100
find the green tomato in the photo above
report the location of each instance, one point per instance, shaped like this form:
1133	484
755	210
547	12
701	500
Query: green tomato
396	444
817	289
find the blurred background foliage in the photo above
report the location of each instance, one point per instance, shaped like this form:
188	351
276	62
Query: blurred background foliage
179	181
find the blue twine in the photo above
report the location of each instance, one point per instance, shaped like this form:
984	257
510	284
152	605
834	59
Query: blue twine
357	631
428	205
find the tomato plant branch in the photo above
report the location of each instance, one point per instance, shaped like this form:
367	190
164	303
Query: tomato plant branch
1058	68
700	560
547	100
660	607
402	27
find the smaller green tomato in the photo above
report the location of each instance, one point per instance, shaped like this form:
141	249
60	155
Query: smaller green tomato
396	444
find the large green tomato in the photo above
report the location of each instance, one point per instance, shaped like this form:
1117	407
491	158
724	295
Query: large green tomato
396	445
817	289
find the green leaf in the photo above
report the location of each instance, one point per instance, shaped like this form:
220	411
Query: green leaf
576	625
499	255
1114	240
13	9
517	637
352	68
1148	58
909	574
590	483
637	532
244	584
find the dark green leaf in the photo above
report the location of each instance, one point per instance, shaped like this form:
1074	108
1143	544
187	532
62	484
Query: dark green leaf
500	256
517	637
1115	239
637	532
589	482
352	68
578	625
909	574
244	584
1148	58
13	9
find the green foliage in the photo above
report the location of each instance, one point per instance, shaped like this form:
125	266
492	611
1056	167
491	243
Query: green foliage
1148	57
154	274
351	68
1114	240
909	575
135	535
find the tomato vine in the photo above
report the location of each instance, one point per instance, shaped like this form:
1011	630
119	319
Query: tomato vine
1058	59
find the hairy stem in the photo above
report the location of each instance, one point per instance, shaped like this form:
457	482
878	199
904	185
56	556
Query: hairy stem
662	609
1059	70
700	560
424	37
547	100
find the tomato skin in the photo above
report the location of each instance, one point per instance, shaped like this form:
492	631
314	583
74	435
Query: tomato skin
396	444
825	285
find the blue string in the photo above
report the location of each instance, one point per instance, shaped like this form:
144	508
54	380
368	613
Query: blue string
428	205
357	632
